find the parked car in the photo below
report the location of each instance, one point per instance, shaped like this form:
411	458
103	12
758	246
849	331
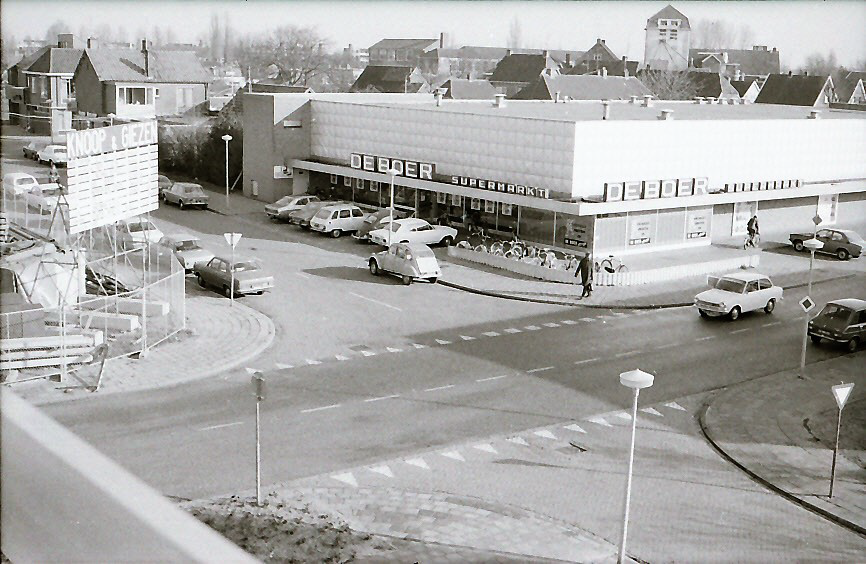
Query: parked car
185	194
249	277
843	243
137	232
408	261
55	154
17	183
303	216
281	209
163	182
187	248
841	321
336	219
24	186
413	230
376	220
738	293
32	149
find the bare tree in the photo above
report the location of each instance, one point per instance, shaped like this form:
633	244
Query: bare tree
215	37
227	45
745	37
9	54
718	34
514	34
54	30
297	53
668	85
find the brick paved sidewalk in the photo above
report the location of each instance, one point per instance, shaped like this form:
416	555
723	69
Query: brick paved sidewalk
218	338
781	429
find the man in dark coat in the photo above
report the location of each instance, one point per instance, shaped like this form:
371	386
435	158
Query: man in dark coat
584	268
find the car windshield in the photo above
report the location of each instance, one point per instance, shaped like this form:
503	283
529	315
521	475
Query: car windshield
423	253
188	245
730	285
284	201
195	190
834	311
246	265
395	227
142	226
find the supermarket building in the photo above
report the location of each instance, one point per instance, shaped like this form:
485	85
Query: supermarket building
616	177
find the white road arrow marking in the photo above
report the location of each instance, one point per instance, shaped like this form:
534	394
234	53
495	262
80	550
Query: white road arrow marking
281	366
453	454
442	342
545	433
575	427
587	319
368	353
419	462
513	330
393	350
551	324
624	415
486	448
347	478
675	405
311	362
465	338
599	421
341	357
384	470
569	322
419	346
652	411
491	334
517	440
532	328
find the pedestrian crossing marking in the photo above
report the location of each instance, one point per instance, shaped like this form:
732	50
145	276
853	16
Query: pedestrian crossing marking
419	462
587	319
419	346
491	334
532	328
453	454
569	322
545	434
551	324
513	330
384	470
443	342
393	349
517	440
599	421
675	405
486	448
624	415
575	427
281	366
652	411
466	338
341	357
347	478
368	353
312	362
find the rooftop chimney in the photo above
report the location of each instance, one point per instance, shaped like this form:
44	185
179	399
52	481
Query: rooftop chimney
568	59
545	53
442	40
646	100
605	104
556	97
604	71
699	99
774	49
725	57
440	92
666	115
815	114
146	57
598	41
92	43
624	67
499	100
633	100
805	73
789	73
507	52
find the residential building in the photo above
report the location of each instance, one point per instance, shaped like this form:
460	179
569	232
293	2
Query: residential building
516	71
747	89
621	67
401	52
667	40
356	57
738	64
139	84
391	78
465	89
797	90
687	85
562	88
850	89
464	62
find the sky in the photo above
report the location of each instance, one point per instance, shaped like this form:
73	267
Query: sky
796	28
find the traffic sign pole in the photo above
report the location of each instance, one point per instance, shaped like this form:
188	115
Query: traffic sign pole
232	239
841	393
258	382
807	304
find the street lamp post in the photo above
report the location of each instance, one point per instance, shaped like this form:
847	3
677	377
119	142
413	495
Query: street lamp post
111	119
636	380
813	245
227	138
391	174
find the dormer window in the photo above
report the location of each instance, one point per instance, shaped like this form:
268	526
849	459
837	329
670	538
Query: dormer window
669	23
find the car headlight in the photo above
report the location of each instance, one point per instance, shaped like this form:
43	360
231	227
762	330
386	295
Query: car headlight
723	306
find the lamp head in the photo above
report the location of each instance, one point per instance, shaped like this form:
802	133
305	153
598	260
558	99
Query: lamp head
636	379
227	137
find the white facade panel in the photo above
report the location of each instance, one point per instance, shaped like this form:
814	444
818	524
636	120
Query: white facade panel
533	152
723	151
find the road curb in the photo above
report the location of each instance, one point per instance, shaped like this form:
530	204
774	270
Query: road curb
671	305
833	518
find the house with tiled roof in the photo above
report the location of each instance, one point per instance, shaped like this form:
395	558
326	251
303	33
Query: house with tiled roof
391	78
583	87
667	40
516	71
747	89
139	84
850	90
401	52
465	89
797	90
757	62
600	58
688	85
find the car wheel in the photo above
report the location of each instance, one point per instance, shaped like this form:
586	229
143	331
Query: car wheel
799	246
407	280
703	313
433	280
336	233
374	268
735	313
815	339
853	344
771	305
227	291
843	254
201	281
446	241
180	204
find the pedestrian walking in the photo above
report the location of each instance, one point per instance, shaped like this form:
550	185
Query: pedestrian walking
584	270
754	232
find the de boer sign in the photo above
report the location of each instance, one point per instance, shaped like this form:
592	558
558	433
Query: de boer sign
649	189
402	167
90	142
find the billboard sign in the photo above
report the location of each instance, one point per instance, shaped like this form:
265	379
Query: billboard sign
112	174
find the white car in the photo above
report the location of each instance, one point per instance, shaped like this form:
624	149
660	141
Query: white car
137	232
412	230
52	154
338	219
187	248
737	293
22	185
281	209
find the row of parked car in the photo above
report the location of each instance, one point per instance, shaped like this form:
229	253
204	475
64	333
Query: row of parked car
46	153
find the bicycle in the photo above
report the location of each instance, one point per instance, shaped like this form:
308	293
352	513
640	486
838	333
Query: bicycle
752	240
482	247
611	265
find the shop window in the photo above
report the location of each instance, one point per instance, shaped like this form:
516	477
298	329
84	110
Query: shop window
441	198
333	179
506	209
374	185
475	204
347	181
489	207
536	225
359	183
456	200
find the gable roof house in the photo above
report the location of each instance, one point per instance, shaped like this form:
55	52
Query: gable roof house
393	79
667	40
139	84
797	90
583	87
739	64
516	71
401	52
464	89
850	90
747	89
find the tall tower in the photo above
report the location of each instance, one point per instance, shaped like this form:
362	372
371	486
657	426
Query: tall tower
668	36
